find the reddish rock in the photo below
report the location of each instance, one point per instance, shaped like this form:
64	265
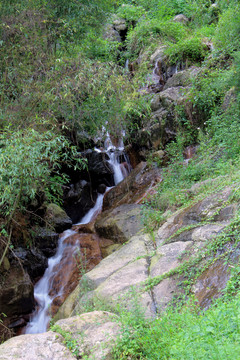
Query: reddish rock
210	284
133	188
84	228
81	254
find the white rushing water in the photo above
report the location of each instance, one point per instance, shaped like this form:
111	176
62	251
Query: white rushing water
40	319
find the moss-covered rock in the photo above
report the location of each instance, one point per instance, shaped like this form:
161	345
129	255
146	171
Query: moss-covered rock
57	218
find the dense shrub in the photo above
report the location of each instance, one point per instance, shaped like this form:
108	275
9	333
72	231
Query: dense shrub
192	49
227	38
153	30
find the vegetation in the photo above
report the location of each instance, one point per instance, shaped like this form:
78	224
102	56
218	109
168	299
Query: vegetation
182	333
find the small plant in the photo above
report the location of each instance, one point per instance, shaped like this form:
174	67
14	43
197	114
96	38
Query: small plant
71	343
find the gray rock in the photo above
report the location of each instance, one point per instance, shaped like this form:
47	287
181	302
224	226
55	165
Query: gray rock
111	34
167	257
121	223
158	55
94	333
212	207
46	346
120	24
136	247
180	18
182	78
168	98
164	292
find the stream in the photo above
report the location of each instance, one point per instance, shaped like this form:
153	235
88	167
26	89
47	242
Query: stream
45	289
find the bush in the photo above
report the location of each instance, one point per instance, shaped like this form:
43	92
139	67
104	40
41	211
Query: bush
152	30
192	49
30	164
227	38
182	334
131	13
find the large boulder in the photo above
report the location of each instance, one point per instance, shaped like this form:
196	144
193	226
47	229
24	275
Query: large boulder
112	280
182	78
134	188
91	335
162	126
33	261
168	98
94	333
57	218
45	240
79	199
120	224
44	346
212	208
16	292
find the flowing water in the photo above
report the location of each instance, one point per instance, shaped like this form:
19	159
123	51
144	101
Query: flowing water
42	290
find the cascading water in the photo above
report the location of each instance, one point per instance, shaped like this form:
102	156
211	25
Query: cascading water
40	319
42	290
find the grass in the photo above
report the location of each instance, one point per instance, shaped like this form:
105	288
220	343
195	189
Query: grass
182	333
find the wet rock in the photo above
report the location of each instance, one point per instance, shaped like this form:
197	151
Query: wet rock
82	253
180	18
79	200
33	261
44	346
85	228
57	218
18	323
95	333
99	169
158	55
16	292
120	224
98	164
46	240
101	188
133	188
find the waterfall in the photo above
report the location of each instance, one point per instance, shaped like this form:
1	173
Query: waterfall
41	317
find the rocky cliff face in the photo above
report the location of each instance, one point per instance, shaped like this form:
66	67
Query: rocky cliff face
184	250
